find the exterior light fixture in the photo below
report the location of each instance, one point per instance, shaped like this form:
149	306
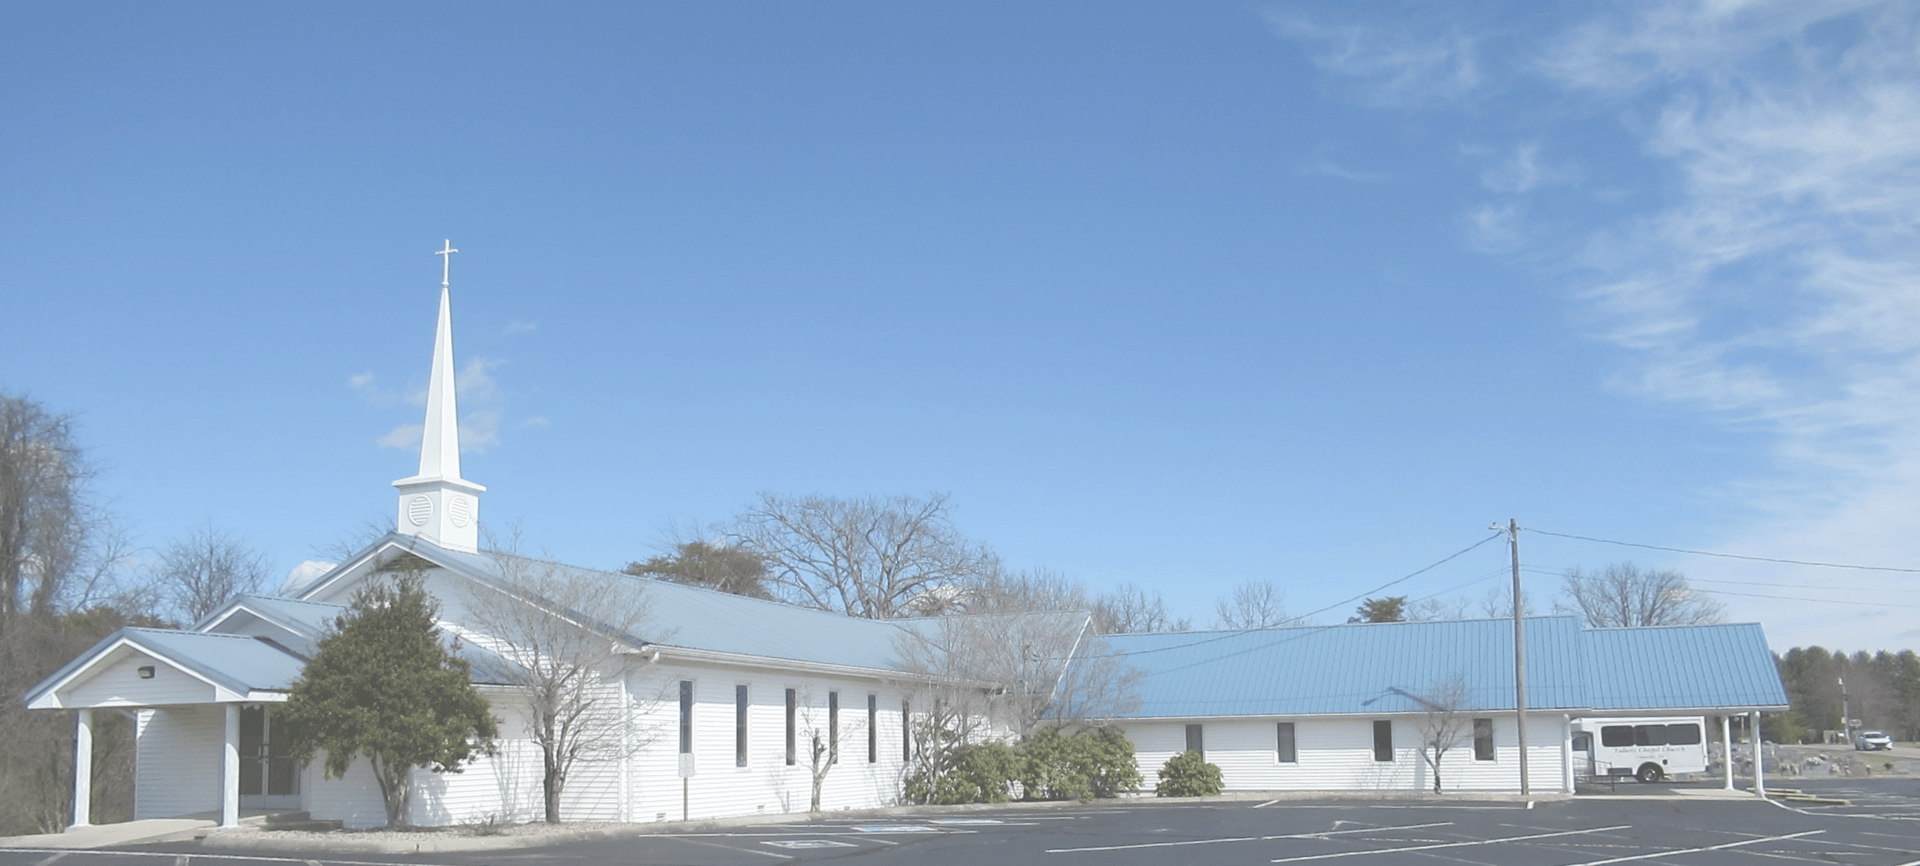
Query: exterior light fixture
146	672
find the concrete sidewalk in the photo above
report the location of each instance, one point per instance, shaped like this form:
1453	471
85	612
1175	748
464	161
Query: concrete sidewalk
125	833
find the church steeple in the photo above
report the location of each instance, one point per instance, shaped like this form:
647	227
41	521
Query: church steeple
437	504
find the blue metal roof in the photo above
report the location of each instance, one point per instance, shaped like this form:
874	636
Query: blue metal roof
1681	667
1379	667
238	663
1350	668
310	618
704	619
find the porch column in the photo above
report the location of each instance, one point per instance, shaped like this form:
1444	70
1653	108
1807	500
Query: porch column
1759	755
230	770
82	768
1566	753
1726	742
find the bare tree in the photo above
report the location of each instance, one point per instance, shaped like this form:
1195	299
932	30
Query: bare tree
44	518
864	557
1438	609
1445	723
822	731
355	539
200	571
565	635
1254	604
1019	592
1132	610
1624	595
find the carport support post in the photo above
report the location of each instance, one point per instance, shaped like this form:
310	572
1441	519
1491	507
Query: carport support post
230	770
1759	755
82	768
1726	744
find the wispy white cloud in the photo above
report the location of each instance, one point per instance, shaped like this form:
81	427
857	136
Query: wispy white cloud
1518	171
1322	165
519	326
1780	286
1497	227
1772	279
1406	66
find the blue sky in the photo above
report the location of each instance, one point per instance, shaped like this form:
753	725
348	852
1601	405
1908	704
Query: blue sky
1177	294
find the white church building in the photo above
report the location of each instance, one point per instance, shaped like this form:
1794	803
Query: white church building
718	707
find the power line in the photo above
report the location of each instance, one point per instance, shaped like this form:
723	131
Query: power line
1796	586
1243	633
1724	555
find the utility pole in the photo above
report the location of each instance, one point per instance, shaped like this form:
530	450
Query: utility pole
1519	651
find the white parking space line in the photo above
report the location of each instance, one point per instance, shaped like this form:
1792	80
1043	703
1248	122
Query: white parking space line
1245	838
1440	845
1678	851
1265	805
731	847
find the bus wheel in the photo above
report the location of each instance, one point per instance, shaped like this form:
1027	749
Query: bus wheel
1650	773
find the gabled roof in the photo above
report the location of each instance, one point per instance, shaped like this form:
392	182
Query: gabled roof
233	664
309	619
687	617
1351	668
1677	668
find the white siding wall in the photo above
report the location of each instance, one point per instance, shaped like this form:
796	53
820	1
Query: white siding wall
1336	754
120	685
177	756
766	785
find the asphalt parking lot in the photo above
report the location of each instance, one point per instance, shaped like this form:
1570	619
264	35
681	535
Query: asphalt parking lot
1881	831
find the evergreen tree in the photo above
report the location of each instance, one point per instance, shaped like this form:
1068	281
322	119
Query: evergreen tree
384	686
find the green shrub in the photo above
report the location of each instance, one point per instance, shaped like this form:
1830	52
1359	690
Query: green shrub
980	773
1188	775
1081	766
1049	765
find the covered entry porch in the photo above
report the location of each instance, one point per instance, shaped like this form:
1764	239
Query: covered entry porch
205	738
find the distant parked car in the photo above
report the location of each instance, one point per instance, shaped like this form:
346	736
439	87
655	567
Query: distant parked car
1872	741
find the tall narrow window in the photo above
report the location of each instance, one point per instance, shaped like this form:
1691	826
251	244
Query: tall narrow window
1483	739
686	717
1195	742
833	727
739	726
793	727
906	731
1383	739
873	729
1283	746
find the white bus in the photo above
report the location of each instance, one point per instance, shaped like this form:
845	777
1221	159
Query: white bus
1648	749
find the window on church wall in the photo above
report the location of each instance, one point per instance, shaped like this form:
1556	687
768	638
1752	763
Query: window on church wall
1483	739
739	726
873	729
1284	748
1383	740
906	731
686	717
1196	741
793	727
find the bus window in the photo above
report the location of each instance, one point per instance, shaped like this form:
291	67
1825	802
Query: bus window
1649	735
1683	735
1616	735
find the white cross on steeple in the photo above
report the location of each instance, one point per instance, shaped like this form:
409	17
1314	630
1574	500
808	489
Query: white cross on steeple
446	264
